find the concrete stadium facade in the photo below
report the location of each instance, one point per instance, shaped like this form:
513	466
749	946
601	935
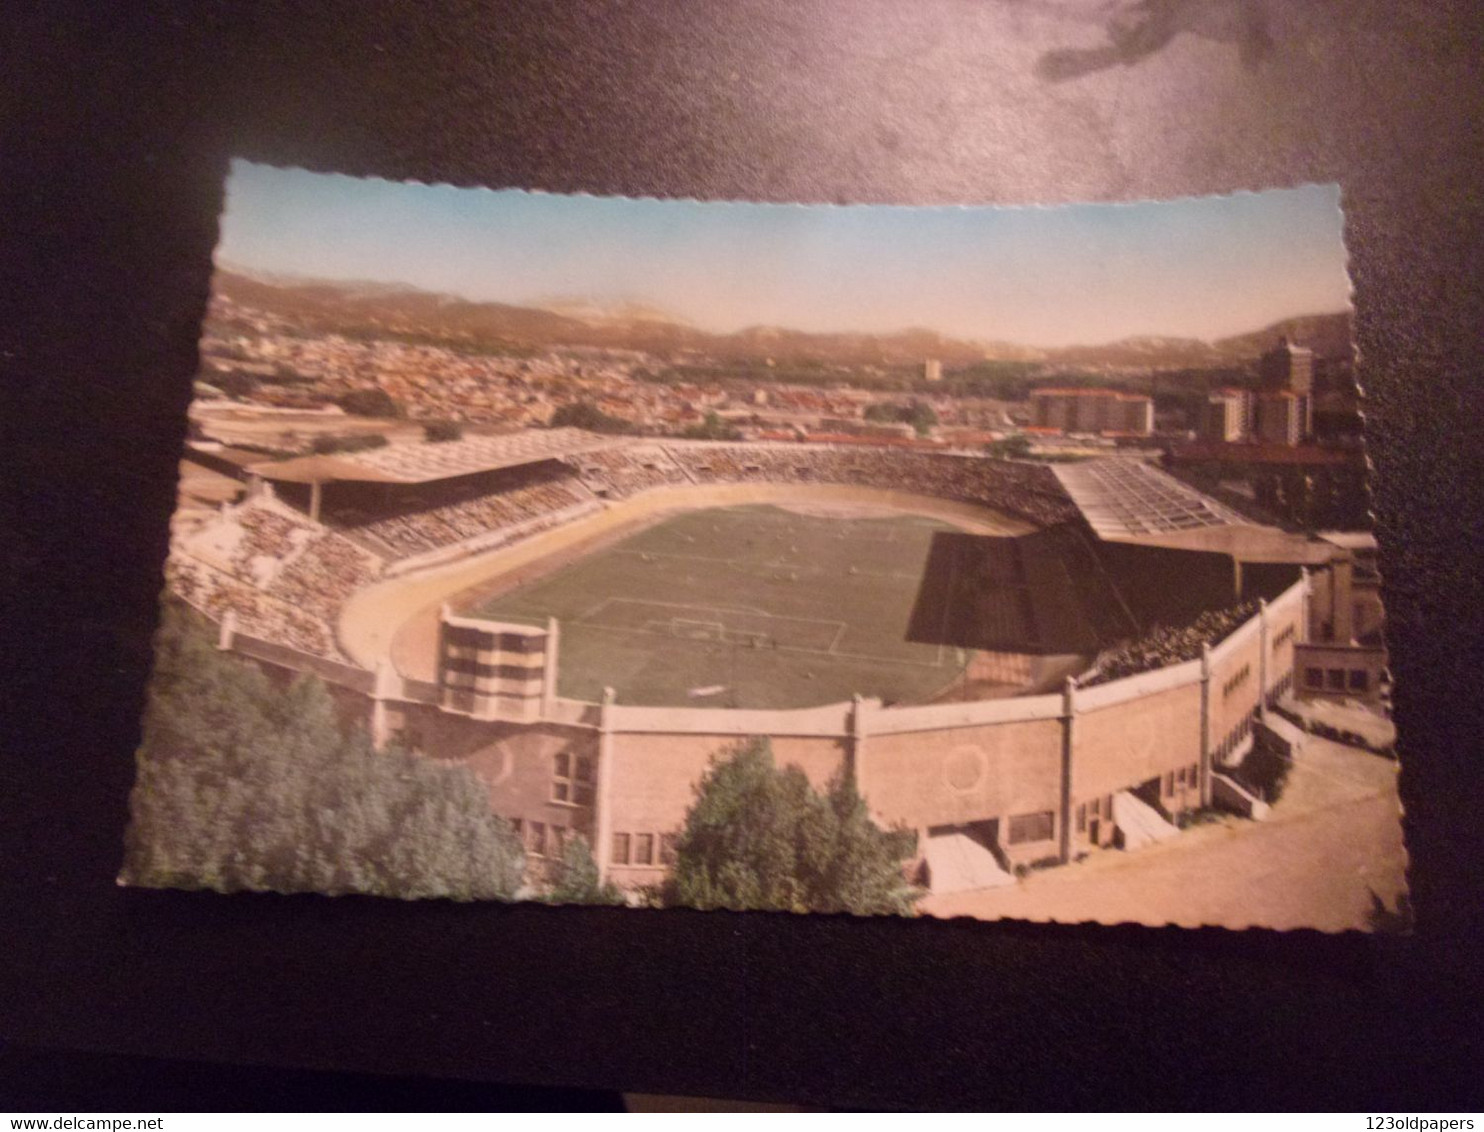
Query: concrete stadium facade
1023	781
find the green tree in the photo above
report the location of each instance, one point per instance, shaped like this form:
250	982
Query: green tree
325	445
1017	446
245	785
712	428
584	414
578	880
234	383
760	837
370	403
921	416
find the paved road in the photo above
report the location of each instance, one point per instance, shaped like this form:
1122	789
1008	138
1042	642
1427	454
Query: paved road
1332	840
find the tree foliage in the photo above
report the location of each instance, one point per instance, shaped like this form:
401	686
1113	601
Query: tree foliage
370	403
764	838
578	880
919	414
584	414
326	444
234	382
1017	446
245	785
439	432
712	428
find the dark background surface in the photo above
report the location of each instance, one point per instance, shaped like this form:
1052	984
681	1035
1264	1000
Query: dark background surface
116	122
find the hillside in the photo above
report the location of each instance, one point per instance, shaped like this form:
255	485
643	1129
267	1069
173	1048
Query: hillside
360	308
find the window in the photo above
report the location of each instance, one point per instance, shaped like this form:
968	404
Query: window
536	838
668	845
558	840
620	848
1335	679
1359	680
1082	818
572	779
1170	782
1031	827
1314	677
1180	777
643	848
1238	678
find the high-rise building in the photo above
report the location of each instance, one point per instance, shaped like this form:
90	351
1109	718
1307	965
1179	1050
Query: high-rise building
1229	416
1282	417
1287	368
1109	411
1286	371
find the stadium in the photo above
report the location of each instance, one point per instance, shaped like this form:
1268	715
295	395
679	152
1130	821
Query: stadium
1019	662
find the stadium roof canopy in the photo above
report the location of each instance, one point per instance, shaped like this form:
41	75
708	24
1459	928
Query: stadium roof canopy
428	461
1128	498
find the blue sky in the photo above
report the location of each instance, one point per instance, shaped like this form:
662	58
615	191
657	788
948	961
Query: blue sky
1201	267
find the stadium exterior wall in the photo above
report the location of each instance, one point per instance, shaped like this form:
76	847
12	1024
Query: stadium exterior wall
1035	774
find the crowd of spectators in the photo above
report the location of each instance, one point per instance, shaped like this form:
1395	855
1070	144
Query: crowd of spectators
214	592
1029	491
419	532
616	473
1165	645
268	537
324	575
286	576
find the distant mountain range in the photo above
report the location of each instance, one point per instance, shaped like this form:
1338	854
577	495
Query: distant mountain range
360	308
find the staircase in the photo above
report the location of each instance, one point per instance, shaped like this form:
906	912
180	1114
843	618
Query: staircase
959	862
1138	823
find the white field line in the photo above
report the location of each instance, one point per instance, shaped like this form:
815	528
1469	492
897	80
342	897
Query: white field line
899	662
770	564
746	611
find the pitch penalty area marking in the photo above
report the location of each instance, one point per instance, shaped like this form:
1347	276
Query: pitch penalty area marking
743	610
666	627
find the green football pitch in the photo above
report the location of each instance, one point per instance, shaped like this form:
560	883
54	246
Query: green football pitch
751	607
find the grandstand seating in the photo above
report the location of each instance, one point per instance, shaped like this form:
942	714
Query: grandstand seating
1027	490
617	473
268	537
324	575
1165	645
286	577
540	493
215	592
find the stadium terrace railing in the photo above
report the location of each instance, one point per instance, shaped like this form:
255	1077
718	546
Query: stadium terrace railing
285	656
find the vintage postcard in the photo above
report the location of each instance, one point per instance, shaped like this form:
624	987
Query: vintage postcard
984	562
